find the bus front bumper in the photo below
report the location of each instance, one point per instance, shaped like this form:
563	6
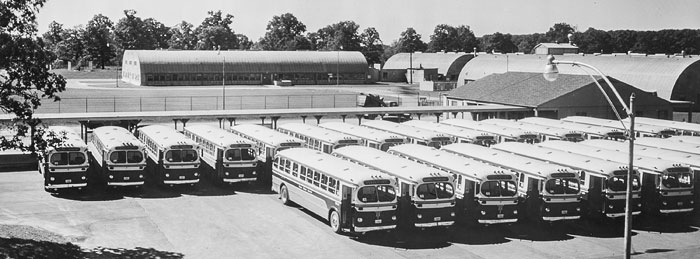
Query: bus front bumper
435	224
367	229
181	181
67	185
125	183
555	218
237	180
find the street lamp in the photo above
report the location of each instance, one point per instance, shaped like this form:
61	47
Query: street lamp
337	68
550	74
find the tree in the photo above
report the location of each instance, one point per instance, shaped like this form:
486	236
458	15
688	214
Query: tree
466	39
342	35
498	42
158	34
593	41
53	36
526	43
26	78
559	33
243	42
372	46
215	32
410	41
285	32
98	34
72	46
452	39
182	36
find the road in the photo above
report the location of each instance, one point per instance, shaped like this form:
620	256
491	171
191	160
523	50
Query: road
249	221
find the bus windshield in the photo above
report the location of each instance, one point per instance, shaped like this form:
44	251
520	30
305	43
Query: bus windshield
240	154
376	193
618	183
181	155
122	157
562	186
435	144
386	146
432	191
498	188
68	158
677	180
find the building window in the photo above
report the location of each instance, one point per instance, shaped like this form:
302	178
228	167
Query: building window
149	77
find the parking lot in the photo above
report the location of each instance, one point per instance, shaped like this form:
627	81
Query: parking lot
249	221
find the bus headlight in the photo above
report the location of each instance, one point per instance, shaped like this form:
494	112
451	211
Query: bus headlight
359	220
639	205
167	175
52	179
610	206
83	178
452	214
692	202
393	217
546	209
226	174
515	212
196	174
141	176
111	176
254	172
578	209
483	213
420	216
664	203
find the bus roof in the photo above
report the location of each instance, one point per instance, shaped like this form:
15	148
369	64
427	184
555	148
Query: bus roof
514	162
265	135
165	137
586	128
334	166
458	132
685	139
616	124
216	135
72	139
361	131
686	126
540	129
498	130
390	164
405	130
472	169
673	155
591	165
651	164
667	144
327	135
113	136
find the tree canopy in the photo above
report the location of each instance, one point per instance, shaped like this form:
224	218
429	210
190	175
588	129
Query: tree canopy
285	32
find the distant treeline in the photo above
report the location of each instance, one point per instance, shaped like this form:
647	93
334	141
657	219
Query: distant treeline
104	41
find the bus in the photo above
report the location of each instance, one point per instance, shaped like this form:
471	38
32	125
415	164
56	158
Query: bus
230	158
267	143
548	192
173	159
370	137
687	147
485	194
118	157
546	132
318	138
426	195
641	130
591	131
686	139
604	183
693	160
64	163
505	134
412	134
352	197
461	135
667	186
682	128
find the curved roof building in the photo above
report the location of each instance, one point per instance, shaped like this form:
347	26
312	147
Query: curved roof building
202	67
670	77
447	64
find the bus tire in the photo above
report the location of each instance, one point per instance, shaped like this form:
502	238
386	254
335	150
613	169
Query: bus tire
284	195
334	221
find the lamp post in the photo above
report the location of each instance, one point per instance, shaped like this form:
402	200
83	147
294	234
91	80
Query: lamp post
337	67
223	79
550	74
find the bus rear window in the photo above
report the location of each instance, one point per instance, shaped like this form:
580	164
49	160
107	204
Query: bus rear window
185	155
618	183
240	154
67	158
121	157
498	188
678	180
431	191
377	193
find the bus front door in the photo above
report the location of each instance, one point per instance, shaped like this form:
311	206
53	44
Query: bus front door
346	211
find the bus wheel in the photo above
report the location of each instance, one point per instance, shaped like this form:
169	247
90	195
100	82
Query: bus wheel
334	221
284	195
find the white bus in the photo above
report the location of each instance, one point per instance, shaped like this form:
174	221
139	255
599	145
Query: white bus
641	130
412	134
682	128
173	158
318	138
549	192
591	131
461	135
426	195
505	134
667	186
603	182
64	163
370	137
686	139
118	157
230	158
267	143
485	193
546	132
352	197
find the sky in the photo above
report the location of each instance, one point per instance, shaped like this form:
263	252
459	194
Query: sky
391	17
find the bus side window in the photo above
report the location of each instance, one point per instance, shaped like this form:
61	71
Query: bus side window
277	162
302	173
326	148
286	165
309	176
582	178
317	177
331	185
324	184
295	169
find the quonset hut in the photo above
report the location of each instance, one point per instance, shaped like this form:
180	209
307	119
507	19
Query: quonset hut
446	65
202	67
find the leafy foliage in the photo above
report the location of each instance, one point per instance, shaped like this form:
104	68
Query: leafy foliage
97	38
182	36
285	32
342	35
498	42
410	41
372	46
215	32
452	39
